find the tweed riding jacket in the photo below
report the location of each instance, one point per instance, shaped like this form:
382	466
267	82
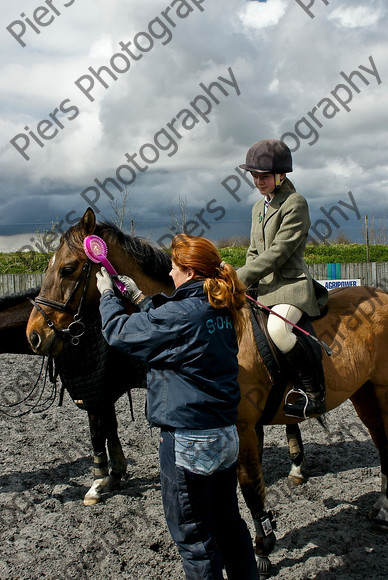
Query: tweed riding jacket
275	257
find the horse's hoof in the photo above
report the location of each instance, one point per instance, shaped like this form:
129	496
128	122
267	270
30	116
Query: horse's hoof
297	480
264	567
91	500
93	496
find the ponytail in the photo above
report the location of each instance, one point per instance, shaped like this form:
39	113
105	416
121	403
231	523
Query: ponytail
225	290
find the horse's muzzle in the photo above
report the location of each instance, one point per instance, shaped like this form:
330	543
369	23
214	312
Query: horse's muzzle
35	340
45	344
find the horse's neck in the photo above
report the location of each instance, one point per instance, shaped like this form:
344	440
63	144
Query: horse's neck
148	285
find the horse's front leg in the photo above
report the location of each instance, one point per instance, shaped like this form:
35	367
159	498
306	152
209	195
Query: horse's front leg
115	451
296	450
252	485
100	458
379	514
103	430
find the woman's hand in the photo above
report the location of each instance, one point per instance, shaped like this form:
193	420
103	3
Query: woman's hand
132	291
104	281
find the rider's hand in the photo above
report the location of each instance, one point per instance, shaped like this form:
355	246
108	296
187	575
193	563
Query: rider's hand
104	281
132	291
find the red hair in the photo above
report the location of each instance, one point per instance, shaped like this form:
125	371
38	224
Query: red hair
223	288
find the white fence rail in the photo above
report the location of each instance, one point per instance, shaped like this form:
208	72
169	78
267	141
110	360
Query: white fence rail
371	274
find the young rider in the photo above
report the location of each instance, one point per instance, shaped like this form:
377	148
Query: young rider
275	266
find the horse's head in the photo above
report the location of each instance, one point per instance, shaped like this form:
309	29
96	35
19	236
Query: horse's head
69	288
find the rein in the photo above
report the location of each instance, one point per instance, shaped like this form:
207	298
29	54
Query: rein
76	328
37	406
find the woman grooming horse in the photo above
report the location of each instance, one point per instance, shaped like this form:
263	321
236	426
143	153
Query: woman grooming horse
189	344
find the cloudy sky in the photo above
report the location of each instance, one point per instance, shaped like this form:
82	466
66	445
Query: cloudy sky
103	93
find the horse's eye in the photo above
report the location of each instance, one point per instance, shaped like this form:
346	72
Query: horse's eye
67	270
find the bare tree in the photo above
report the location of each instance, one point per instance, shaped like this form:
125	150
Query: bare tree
119	207
377	231
46	241
341	238
179	217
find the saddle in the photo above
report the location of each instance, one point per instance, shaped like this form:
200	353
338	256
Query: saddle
276	364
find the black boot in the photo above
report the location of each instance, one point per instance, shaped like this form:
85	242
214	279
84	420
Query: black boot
312	397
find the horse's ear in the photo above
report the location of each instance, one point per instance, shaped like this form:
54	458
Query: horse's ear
88	222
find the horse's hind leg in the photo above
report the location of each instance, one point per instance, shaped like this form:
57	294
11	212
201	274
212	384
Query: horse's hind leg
371	404
253	489
296	450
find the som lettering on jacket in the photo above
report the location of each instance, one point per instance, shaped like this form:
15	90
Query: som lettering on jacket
219	323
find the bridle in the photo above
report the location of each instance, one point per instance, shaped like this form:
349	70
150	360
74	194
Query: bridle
76	328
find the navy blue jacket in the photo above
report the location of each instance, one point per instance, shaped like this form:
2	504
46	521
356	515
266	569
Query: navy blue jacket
190	349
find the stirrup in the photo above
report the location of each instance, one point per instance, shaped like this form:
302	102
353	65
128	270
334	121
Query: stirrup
288	411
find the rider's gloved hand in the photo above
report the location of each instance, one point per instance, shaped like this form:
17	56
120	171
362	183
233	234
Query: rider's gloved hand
104	281
132	291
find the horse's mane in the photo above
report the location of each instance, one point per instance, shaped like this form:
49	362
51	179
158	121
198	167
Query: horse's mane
153	261
15	299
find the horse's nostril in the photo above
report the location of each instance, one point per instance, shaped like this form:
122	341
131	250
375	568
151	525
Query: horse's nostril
35	339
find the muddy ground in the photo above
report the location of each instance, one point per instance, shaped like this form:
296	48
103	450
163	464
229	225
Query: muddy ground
47	533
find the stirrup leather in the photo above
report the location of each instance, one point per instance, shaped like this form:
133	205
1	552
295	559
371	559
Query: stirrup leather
295	391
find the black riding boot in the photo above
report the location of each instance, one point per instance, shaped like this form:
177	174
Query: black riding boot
312	400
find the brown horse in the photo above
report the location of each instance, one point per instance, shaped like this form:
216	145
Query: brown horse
355	327
15	311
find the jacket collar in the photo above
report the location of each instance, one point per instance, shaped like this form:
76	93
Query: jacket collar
190	288
279	198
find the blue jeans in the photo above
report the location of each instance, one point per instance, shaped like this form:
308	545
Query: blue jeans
199	482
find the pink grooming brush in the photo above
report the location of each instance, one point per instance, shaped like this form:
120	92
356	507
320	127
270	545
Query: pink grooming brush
96	250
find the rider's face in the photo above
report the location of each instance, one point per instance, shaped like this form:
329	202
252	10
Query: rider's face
265	182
